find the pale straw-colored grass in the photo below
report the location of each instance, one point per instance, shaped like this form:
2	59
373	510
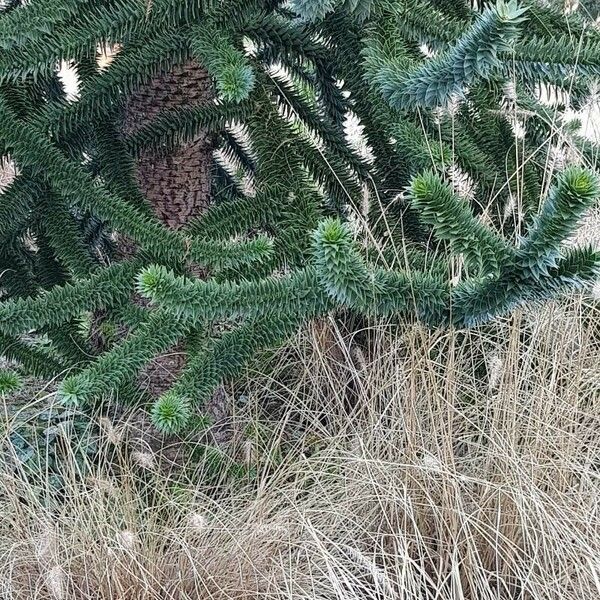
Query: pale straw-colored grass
417	465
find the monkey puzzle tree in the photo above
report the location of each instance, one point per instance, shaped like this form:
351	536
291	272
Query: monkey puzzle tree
201	196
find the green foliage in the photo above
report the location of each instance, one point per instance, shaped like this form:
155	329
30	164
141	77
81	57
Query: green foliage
171	413
227	64
576	191
433	83
436	87
10	382
314	10
452	220
340	269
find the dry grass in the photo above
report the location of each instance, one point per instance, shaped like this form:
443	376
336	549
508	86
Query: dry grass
432	466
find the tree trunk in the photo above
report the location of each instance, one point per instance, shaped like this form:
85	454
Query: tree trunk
177	184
